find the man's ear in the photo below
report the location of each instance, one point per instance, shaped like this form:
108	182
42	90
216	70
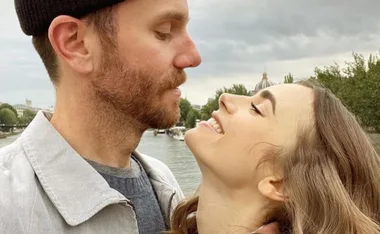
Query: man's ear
67	36
272	188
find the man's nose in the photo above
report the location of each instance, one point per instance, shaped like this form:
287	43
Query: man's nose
189	55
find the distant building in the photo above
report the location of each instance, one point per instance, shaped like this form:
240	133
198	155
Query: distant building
20	112
197	107
20	109
24	107
50	109
264	83
28	102
28	106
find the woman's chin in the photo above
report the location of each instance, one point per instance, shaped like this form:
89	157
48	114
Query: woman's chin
191	137
193	140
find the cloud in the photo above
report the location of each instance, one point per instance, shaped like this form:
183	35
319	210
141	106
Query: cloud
238	40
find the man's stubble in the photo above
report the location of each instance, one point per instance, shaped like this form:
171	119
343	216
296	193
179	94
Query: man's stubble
137	93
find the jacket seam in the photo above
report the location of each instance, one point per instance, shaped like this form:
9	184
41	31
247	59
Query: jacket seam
169	207
32	212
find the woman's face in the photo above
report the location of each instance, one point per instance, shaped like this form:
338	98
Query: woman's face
250	127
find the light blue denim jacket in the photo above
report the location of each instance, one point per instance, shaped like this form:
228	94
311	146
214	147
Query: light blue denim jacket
47	187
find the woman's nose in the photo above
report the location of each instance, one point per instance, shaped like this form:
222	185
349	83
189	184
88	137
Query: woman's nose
227	102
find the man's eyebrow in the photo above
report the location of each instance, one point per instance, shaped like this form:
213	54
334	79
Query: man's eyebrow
172	15
269	96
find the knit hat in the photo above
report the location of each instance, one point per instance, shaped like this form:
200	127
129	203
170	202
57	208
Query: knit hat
35	16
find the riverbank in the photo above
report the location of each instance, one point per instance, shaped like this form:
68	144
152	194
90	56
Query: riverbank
4	135
376	140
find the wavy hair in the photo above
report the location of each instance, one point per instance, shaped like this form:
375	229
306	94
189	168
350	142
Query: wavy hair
331	175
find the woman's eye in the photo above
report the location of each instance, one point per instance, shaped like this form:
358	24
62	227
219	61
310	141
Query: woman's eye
254	108
162	36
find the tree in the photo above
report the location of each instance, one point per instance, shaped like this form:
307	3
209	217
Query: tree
27	117
7	116
288	79
238	89
6	105
357	86
191	118
213	103
185	108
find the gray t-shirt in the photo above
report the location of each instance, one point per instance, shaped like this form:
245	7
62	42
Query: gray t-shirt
135	185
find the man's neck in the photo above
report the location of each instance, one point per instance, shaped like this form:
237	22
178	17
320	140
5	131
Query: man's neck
96	130
222	211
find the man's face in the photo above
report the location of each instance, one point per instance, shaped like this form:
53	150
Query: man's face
140	73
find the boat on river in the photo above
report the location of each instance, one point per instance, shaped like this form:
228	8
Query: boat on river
161	131
177	133
179	136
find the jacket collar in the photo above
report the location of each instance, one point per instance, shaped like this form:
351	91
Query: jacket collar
77	191
167	195
75	188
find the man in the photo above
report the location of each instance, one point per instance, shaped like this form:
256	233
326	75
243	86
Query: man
116	66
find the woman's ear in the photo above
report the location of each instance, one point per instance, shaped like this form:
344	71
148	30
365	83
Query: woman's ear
272	188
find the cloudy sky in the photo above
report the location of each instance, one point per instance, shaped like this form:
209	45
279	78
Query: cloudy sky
238	40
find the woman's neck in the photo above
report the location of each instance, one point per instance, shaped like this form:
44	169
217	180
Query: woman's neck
224	211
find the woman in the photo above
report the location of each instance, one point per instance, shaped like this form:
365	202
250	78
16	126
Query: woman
291	154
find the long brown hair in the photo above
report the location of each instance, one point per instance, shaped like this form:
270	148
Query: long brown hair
331	175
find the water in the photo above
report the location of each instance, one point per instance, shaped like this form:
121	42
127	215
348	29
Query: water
176	156
8	140
172	152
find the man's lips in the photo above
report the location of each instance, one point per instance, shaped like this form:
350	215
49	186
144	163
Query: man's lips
177	92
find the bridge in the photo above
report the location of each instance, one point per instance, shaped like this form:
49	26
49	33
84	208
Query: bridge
11	127
14	125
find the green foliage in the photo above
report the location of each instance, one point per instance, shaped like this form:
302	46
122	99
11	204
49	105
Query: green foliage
185	108
213	104
288	79
7	116
6	105
358	86
238	89
191	118
27	117
29	113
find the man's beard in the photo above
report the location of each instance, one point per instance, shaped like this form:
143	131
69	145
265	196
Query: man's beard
137	93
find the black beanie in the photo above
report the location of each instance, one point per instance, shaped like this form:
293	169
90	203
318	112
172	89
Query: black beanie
35	16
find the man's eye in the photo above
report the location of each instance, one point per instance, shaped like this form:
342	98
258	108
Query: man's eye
162	36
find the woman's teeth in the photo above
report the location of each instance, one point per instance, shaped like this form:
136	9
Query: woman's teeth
215	125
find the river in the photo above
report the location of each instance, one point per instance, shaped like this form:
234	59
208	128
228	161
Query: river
172	152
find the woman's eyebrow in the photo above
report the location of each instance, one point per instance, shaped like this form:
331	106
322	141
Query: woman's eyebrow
269	96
